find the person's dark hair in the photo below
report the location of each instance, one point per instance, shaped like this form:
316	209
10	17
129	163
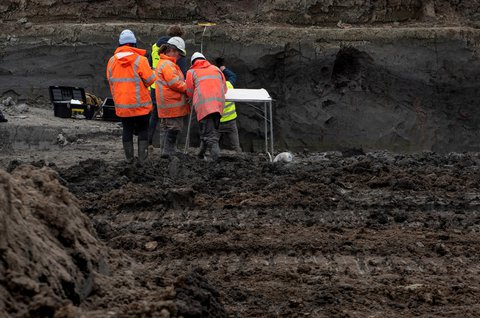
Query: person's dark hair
197	59
128	44
163	48
175	30
219	61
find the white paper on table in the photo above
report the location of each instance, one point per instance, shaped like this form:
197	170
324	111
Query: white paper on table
247	95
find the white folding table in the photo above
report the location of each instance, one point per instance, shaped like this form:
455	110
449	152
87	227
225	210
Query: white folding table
243	95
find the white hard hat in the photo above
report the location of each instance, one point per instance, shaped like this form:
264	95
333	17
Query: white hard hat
197	55
179	43
127	36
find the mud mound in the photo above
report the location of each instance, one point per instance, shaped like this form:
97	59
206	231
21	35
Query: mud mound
51	262
197	298
49	256
190	296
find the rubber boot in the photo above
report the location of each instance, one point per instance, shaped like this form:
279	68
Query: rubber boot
151	150
161	139
128	148
170	141
163	142
142	151
172	136
215	151
203	149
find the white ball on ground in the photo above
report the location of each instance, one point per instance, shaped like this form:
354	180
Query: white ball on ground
284	157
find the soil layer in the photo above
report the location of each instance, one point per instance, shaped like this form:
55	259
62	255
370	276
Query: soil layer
330	235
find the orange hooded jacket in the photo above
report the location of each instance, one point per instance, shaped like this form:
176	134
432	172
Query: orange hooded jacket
170	89
206	84
129	76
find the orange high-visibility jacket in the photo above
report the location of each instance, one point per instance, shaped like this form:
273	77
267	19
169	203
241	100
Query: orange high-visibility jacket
170	89
206	84
129	76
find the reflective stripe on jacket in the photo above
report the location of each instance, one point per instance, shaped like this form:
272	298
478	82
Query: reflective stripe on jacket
206	86
155	59
229	111
129	75
171	87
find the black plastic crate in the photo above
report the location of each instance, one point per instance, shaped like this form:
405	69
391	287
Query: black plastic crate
61	96
62	109
108	108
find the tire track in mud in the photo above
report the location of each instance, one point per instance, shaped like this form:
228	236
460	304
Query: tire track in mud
370	235
282	263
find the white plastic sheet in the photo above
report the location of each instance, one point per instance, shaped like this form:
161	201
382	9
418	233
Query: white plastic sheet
247	95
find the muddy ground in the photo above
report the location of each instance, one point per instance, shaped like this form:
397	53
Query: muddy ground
329	235
332	234
345	233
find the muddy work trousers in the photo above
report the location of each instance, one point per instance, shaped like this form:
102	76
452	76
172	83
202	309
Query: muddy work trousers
209	135
137	125
228	132
209	129
175	123
170	128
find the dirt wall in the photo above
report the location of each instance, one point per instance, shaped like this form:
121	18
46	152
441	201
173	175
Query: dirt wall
402	89
300	12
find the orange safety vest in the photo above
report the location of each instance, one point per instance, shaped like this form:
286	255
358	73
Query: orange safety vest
206	86
170	89
129	76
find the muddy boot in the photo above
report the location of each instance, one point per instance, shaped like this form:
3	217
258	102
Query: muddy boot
151	150
215	151
172	136
142	151
203	149
168	149
128	148
170	141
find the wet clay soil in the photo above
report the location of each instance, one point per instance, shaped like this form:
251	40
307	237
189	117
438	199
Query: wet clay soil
330	235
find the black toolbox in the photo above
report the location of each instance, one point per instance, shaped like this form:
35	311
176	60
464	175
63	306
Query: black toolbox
61	98
108	110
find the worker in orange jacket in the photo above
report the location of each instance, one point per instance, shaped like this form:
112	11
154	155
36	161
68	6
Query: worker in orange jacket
206	86
129	76
170	91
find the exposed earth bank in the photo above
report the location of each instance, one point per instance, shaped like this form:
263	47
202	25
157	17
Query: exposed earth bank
297	12
396	75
